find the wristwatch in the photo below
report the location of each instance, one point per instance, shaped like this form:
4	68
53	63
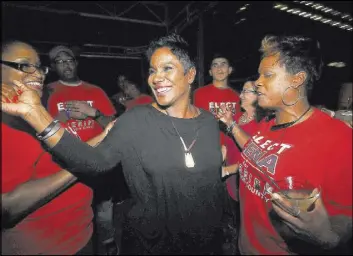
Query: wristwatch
98	114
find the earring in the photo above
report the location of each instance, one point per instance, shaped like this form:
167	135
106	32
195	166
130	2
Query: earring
295	102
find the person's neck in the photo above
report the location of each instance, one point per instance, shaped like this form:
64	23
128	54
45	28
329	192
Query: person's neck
73	82
249	110
221	84
292	113
183	109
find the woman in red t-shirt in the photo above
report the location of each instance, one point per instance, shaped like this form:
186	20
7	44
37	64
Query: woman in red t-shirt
45	209
248	119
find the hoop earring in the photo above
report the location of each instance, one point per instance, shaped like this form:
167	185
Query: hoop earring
296	101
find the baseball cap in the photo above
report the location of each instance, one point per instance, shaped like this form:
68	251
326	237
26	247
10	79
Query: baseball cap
57	49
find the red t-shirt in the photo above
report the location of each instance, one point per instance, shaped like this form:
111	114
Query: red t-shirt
94	95
233	158
318	150
212	98
140	100
64	225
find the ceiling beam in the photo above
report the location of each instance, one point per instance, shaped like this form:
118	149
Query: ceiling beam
84	14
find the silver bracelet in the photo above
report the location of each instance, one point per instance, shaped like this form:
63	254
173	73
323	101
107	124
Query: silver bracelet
45	132
55	129
231	126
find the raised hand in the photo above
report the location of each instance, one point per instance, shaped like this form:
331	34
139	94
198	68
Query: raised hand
8	93
225	115
28	100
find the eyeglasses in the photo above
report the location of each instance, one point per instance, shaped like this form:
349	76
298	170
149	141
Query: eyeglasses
248	91
25	67
61	62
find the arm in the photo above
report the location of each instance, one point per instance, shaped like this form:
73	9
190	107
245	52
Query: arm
28	197
76	156
327	227
240	136
73	154
81	110
104	120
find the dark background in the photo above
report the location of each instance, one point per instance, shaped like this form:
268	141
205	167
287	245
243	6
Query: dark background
222	32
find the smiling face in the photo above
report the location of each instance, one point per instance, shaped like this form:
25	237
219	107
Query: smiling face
248	95
167	78
22	53
220	69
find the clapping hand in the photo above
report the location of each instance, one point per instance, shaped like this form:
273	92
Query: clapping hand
225	115
79	110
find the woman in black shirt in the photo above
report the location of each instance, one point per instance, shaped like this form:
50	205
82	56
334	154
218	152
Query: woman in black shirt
170	153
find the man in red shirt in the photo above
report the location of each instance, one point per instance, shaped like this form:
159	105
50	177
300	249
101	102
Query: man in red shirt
86	109
212	97
83	106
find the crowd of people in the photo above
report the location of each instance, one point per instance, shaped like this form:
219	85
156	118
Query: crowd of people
203	169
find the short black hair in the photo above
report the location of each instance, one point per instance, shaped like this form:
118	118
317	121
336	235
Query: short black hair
5	45
296	53
178	46
217	55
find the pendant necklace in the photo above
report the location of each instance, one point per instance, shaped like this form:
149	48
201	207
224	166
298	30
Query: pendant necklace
189	160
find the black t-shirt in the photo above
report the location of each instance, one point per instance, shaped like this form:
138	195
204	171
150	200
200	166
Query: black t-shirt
167	194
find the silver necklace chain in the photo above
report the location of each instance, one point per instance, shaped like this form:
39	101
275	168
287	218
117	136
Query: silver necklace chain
189	161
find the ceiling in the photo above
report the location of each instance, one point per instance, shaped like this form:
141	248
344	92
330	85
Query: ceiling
122	29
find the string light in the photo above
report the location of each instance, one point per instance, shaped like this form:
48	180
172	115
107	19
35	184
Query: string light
312	16
337	64
243	8
325	9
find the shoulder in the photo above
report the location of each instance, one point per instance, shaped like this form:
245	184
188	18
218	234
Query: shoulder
334	136
331	126
54	86
136	113
234	92
204	89
88	85
207	118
